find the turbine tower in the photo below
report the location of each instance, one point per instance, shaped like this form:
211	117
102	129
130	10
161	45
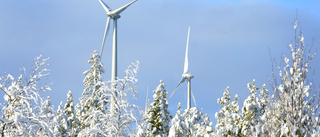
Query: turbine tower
186	76
114	15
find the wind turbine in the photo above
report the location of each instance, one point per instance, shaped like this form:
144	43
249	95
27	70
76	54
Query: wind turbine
114	15
186	76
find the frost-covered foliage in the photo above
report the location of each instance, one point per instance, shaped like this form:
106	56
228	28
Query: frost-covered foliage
24	112
72	122
179	127
293	110
158	115
143	124
120	121
48	112
252	111
143	127
192	123
90	100
95	119
228	118
60	120
197	123
93	75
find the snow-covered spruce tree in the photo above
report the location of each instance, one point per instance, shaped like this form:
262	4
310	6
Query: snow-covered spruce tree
22	112
143	127
158	114
293	110
198	124
72	121
48	113
89	100
143	124
204	126
252	111
119	122
60	121
192	123
179	127
228	118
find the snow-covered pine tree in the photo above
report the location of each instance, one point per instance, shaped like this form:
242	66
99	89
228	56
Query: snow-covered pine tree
143	127
197	123
143	124
98	125
118	123
252	111
293	109
178	126
264	99
204	126
158	114
48	113
93	75
89	100
192	123
228	118
72	121
21	111
60	121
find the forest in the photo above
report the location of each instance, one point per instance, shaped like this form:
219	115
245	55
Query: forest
255	67
289	108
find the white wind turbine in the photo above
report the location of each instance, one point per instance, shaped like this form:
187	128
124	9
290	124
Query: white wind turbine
115	15
186	76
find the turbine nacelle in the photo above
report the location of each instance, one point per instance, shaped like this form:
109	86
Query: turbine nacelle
116	13
187	76
113	16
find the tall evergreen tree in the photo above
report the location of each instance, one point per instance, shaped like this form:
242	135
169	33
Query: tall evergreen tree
89	100
60	128
72	121
192	123
179	127
119	122
228	118
48	113
158	114
252	111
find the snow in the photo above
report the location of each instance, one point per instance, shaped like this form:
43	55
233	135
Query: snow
292	109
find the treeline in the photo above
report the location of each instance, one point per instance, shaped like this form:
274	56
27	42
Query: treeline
289	109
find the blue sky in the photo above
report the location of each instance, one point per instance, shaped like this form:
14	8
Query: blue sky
229	43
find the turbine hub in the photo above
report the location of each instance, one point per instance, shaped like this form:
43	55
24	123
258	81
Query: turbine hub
114	16
187	76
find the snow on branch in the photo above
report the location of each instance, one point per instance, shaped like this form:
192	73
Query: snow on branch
22	110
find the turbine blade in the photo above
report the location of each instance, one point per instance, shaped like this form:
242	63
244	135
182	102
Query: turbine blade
194	100
105	6
186	63
147	104
118	11
181	81
105	35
